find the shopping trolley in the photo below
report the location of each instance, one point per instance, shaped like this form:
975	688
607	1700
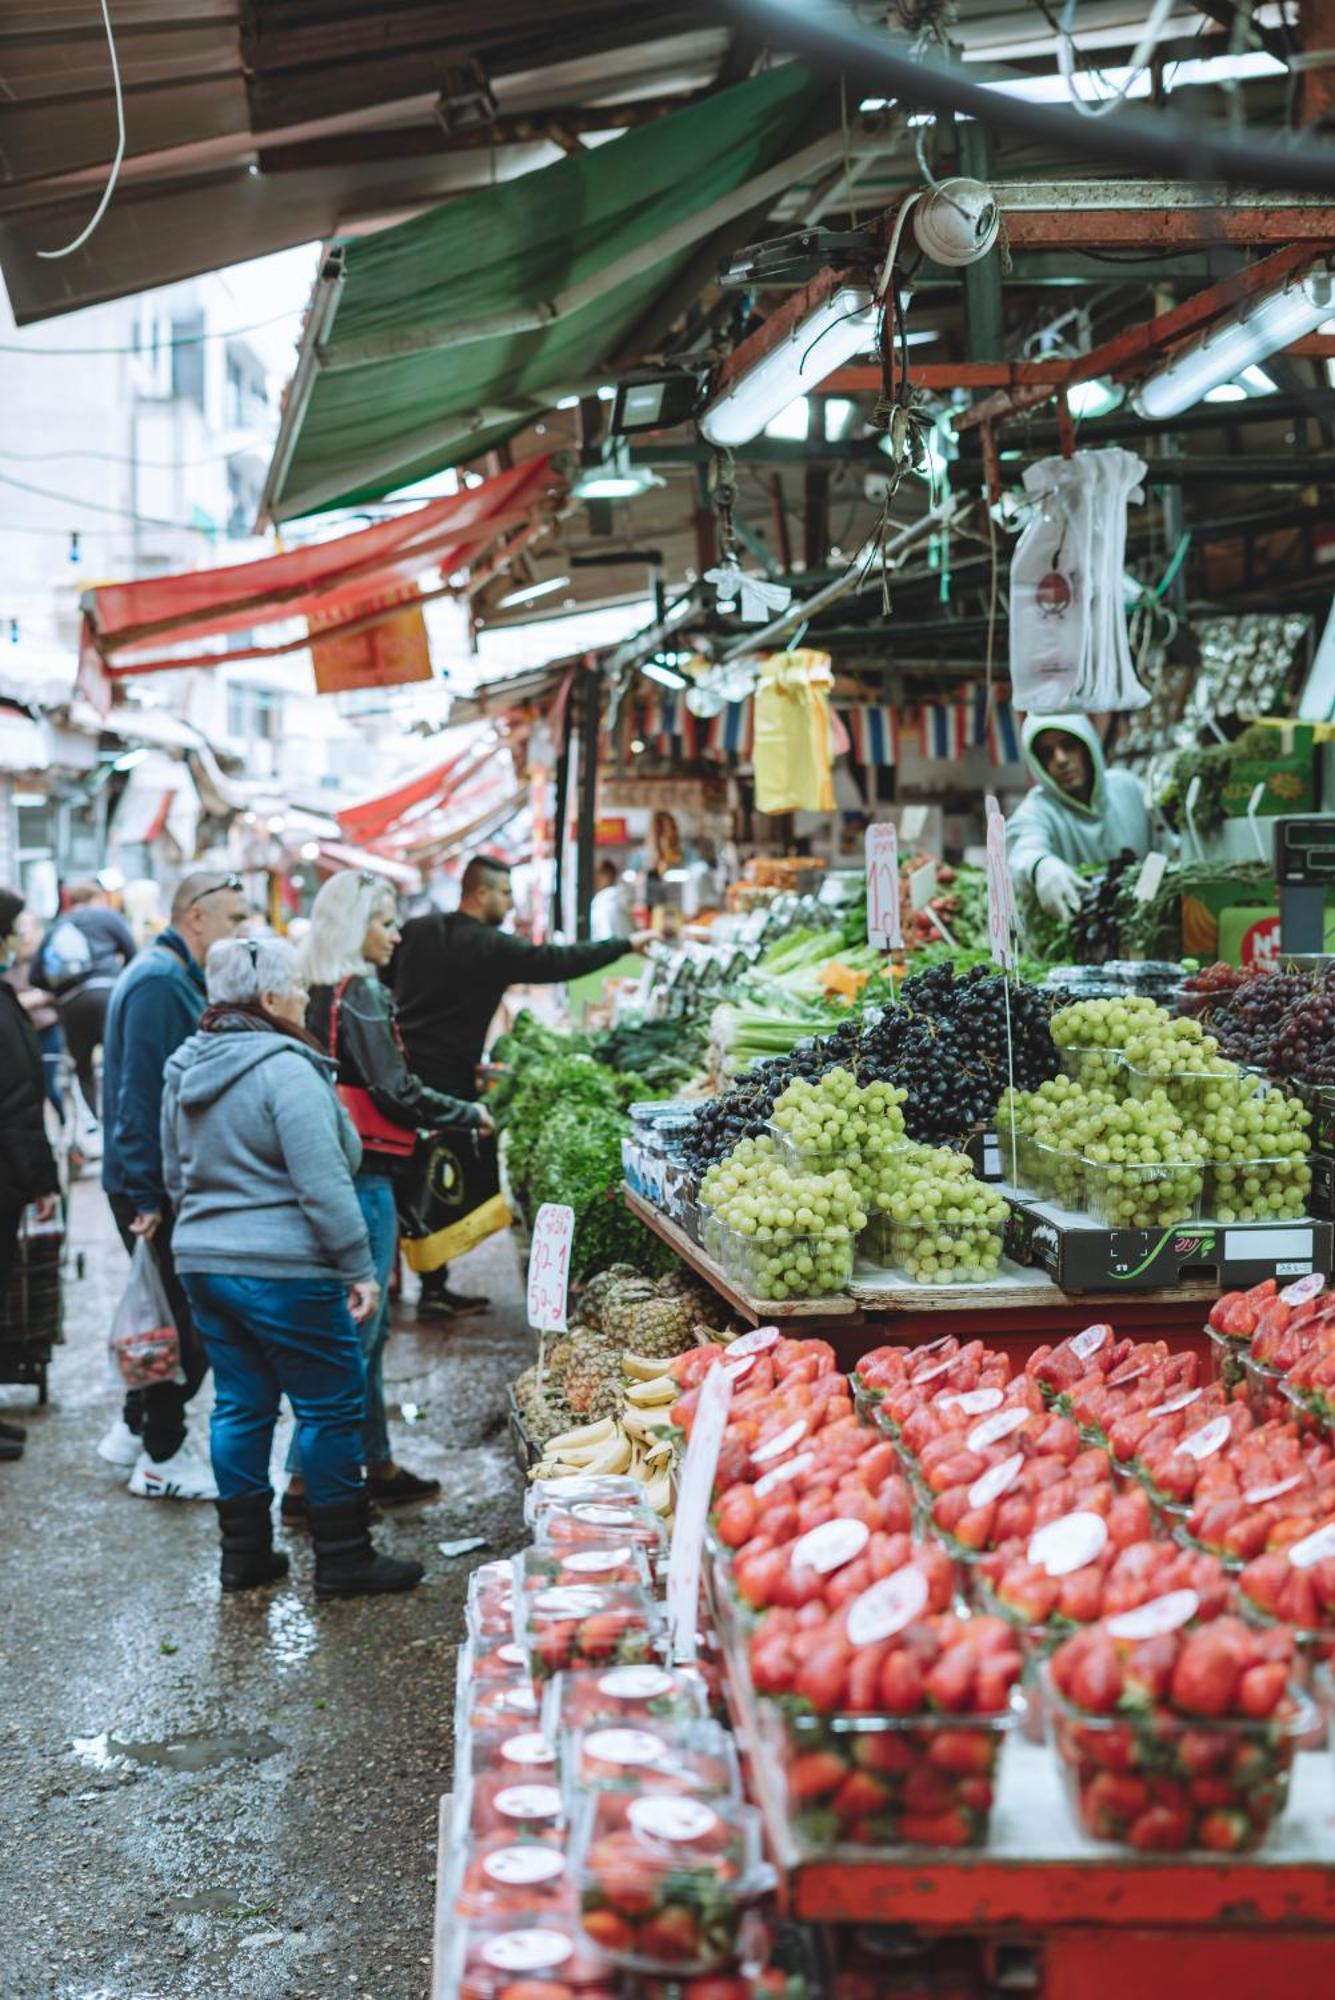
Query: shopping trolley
32	1311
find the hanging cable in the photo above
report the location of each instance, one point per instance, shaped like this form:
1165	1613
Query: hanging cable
114	175
134	347
1140	60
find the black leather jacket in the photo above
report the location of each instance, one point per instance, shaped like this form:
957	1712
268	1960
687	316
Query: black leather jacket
370	1057
27	1168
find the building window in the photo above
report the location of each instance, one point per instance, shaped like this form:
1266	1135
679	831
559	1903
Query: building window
254	714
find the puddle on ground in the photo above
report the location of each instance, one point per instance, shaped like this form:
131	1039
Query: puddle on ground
181	1753
293	1633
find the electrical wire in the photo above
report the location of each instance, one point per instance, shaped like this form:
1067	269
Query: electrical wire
1140	60
137	347
114	175
1141	141
100	507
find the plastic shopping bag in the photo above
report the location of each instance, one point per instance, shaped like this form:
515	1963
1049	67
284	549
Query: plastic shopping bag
144	1343
792	734
1051	590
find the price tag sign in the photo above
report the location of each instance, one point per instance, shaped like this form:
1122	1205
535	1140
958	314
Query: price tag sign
913	820
1000	916
922	885
695	1488
1151	876
883	925
549	1267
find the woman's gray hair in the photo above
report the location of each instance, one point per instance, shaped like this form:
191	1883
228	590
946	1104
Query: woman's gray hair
331	950
239	970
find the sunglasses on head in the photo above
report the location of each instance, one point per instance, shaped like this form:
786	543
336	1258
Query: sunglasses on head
228	882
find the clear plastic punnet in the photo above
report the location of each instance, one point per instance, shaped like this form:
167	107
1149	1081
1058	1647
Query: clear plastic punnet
588	1625
1138	1194
649	1696
515	1957
663	1883
691	1760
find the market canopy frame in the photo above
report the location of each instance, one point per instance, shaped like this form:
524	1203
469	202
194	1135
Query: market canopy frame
435	341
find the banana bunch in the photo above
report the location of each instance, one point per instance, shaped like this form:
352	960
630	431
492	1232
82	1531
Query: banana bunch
600	1447
647	1387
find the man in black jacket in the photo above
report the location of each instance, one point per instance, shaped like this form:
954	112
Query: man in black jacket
27	1165
451	974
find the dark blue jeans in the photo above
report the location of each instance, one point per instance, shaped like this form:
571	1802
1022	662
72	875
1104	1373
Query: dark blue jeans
273	1337
375	1195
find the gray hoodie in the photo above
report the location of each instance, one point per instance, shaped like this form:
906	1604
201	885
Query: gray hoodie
1049	821
258	1156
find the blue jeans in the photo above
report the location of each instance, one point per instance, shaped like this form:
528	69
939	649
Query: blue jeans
375	1195
273	1337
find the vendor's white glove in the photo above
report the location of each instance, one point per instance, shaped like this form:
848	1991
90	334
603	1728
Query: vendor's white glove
1058	888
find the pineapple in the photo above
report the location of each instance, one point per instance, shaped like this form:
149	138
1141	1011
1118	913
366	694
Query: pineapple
559	1356
663	1327
619	1307
544	1410
592	1383
599	1286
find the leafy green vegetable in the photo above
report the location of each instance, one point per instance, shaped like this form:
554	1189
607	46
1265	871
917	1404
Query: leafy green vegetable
580	1163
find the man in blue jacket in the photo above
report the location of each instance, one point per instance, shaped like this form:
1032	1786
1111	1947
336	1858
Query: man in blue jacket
156	1004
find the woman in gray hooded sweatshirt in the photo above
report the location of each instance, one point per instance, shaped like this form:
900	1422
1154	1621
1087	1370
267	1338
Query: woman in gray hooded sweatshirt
272	1250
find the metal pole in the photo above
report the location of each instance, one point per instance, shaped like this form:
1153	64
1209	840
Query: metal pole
590	705
559	819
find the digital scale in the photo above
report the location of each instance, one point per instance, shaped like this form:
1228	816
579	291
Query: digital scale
1304	872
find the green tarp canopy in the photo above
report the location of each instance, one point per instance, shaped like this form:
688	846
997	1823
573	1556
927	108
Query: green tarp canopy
430	342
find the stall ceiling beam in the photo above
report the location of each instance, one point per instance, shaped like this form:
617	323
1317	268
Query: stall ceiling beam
939	375
1139	343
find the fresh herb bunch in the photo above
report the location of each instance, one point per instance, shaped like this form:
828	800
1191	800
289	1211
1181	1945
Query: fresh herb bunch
580	1164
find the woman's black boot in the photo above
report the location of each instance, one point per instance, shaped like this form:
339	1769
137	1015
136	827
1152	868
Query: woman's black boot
346	1564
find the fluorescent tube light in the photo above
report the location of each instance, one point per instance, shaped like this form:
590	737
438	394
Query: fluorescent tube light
842	326
532	590
1262	328
1225	392
655	671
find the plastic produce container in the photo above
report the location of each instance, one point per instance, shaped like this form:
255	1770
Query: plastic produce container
1218	1785
1257	1190
516	1957
932	1254
602	1563
580	1522
802	1267
547	1495
636	1697
1093	1067
588	1625
489	1611
663	1883
1186	1089
510	1798
811	1160
1057	1174
881	1781
504	1877
677	1760
1124	1194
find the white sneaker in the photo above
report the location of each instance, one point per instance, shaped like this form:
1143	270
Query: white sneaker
180	1477
119	1446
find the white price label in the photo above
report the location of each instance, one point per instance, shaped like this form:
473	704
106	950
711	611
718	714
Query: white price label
528	1951
922	885
884	932
937	1368
1258	1495
775	1447
998	1479
672	1819
1317	1547
756	1342
549	1267
993	1429
511	1655
633	1749
595	1562
599	1515
1066	1545
1176	1403
1161	1614
1150	879
569	1600
532	1748
793	1468
521	1867
636	1683
887	1607
1306	1289
1090	1341
529	1802
694	1490
1209	1439
830	1546
971	1402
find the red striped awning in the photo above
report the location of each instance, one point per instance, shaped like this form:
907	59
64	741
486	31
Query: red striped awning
133	627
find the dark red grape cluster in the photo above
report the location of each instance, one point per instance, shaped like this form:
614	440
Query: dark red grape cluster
1213	986
1281	1022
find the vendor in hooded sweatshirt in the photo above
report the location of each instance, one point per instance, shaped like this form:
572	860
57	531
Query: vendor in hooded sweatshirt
1078	811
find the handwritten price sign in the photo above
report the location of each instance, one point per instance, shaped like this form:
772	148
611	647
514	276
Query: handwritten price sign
694	1489
1000	909
549	1267
883	925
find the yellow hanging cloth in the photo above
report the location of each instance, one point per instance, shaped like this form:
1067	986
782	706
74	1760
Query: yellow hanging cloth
792	733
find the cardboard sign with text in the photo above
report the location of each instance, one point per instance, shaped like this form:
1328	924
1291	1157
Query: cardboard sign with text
883	922
695	1488
1000	911
549	1267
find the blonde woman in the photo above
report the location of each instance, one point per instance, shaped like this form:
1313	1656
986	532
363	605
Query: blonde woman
354	929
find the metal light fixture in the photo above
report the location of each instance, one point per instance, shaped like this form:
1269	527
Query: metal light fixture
813	346
1263	327
531	591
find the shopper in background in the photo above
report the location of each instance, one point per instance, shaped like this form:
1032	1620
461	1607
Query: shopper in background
27	1164
157	1002
259	1159
610	913
39	1006
1078	811
83	954
353	934
450	975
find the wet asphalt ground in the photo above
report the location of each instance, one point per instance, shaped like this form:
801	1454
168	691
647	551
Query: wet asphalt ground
231	1799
